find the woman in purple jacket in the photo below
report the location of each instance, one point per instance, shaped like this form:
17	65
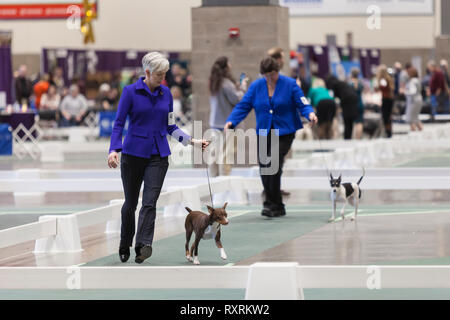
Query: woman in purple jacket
145	151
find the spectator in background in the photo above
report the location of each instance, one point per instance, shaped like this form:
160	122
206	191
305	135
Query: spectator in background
438	89
49	107
402	80
112	99
325	108
102	95
348	101
358	86
397	71
178	103
108	98
178	77
414	100
23	86
444	67
57	79
224	95
386	85
73	107
303	82
40	88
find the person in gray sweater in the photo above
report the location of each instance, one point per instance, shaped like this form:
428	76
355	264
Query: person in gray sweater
414	101
224	95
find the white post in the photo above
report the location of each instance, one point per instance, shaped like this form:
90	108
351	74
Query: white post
191	198
51	152
67	238
174	209
113	226
273	281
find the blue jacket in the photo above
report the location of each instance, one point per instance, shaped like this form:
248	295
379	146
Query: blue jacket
149	121
281	112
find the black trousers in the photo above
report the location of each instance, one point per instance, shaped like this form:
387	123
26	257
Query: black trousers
134	171
386	112
348	127
272	182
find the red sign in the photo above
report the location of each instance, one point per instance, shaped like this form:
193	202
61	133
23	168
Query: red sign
234	32
39	11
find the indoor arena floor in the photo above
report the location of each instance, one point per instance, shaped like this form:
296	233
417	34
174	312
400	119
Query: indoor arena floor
394	227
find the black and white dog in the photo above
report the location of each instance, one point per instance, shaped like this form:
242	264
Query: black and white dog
349	192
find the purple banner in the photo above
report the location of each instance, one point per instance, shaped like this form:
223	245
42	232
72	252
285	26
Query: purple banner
6	75
369	60
77	63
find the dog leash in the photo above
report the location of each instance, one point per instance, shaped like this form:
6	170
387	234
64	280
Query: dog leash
323	157
209	182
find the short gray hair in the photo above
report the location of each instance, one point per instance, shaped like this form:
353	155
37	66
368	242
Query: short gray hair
155	62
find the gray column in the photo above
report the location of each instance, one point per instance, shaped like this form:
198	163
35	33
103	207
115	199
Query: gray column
261	27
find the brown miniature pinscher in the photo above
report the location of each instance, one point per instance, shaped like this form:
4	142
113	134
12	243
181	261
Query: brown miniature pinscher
205	227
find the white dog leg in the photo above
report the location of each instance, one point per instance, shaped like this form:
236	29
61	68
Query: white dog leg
356	201
223	255
333	206
343	210
333	211
196	261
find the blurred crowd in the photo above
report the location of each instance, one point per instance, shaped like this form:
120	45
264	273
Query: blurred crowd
395	92
66	104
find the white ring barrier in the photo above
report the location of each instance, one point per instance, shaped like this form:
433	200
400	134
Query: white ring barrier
258	279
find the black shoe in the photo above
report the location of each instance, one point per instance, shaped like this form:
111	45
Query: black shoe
124	254
145	253
137	249
267	212
279	212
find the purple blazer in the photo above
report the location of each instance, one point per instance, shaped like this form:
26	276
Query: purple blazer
149	121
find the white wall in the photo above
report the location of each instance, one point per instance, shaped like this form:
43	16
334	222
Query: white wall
166	25
395	32
122	24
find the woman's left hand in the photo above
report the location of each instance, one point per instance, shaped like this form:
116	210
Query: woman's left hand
203	142
313	118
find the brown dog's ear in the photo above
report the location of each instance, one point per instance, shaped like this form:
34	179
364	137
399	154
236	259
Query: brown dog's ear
210	209
188	210
225	205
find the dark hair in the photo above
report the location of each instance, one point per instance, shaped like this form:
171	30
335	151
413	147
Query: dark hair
413	73
219	71
268	64
355	72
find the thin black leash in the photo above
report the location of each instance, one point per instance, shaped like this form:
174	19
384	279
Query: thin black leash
209	182
323	156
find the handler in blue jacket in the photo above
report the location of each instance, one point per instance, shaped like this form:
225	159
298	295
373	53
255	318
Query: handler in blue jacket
145	151
277	101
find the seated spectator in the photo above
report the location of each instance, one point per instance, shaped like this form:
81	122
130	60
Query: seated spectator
178	77
73	107
40	88
102	95
57	79
110	102
49	107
